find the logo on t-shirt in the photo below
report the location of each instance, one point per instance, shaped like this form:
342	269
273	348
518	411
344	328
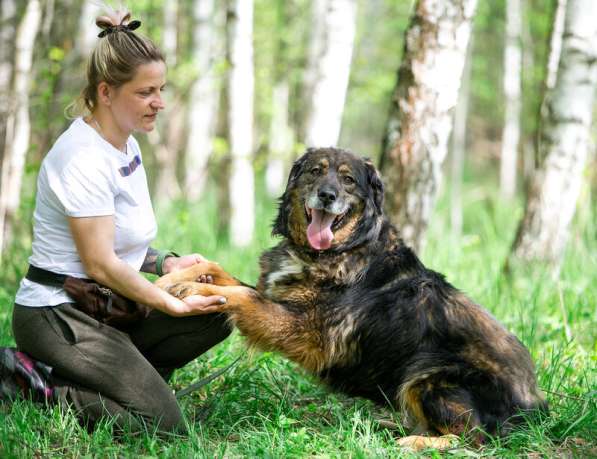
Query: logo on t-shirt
125	171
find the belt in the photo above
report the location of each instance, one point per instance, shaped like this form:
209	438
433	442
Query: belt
45	277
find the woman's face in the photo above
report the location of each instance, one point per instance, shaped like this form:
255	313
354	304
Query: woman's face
135	104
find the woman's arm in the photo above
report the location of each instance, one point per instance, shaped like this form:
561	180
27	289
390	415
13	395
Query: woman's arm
149	264
94	239
170	263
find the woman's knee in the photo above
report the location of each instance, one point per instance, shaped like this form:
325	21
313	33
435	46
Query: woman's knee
170	420
222	326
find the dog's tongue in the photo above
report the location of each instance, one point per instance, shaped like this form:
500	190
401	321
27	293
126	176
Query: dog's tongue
319	230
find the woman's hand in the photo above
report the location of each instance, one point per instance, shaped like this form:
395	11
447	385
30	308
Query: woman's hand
172	264
198	304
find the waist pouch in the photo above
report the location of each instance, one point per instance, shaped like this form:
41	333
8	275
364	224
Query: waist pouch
95	300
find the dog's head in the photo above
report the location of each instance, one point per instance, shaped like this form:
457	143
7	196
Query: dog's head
333	201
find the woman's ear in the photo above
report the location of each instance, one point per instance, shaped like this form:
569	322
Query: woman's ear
104	93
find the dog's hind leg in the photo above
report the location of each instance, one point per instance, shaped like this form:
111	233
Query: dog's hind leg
421	442
439	407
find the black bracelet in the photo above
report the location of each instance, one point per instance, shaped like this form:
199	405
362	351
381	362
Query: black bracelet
159	261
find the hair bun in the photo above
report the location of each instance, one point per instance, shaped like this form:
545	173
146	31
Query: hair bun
113	19
116	20
104	22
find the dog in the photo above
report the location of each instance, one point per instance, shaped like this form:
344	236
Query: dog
346	299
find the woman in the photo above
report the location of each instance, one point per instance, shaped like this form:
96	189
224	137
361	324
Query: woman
93	219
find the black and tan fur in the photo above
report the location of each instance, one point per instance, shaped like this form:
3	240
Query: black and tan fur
368	318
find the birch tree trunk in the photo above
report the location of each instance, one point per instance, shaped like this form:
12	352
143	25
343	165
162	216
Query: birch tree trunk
512	95
167	139
169	39
240	120
166	145
280	140
332	54
563	144
420	119
526	147
18	125
87	31
48	19
459	145
7	37
204	96
281	134
8	15
555	48
316	43
551	72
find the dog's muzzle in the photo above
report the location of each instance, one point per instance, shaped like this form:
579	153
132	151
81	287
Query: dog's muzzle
324	212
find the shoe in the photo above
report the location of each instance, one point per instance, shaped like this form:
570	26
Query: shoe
23	377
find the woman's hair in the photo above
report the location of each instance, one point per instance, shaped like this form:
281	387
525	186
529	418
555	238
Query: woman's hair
115	59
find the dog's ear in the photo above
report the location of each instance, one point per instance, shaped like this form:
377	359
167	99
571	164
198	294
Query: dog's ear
280	226
297	169
375	185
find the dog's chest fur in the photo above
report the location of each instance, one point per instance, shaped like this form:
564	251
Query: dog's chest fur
290	276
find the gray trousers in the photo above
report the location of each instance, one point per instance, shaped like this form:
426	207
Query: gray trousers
101	371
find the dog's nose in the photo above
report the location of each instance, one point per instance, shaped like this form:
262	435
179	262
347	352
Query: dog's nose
327	195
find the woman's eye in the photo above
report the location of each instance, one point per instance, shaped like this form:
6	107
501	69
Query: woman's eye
348	180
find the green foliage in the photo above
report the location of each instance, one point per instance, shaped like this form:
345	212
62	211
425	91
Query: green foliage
268	407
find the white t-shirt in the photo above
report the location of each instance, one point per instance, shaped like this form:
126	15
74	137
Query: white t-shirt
83	175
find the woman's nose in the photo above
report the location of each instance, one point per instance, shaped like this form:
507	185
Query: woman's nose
158	103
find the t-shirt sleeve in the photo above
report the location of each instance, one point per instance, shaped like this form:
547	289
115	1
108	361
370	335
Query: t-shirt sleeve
85	187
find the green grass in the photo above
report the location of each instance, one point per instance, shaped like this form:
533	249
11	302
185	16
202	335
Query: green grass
268	407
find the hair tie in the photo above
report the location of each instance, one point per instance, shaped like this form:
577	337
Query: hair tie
120	28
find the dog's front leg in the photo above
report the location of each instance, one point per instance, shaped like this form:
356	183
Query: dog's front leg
267	325
193	273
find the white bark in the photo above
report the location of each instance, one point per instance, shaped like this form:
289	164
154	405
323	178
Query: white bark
316	46
555	47
169	39
459	145
280	140
526	148
87	31
420	119
332	53
564	142
166	148
551	74
48	19
240	120
18	130
7	36
204	97
512	96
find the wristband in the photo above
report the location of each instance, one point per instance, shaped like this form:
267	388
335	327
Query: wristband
159	261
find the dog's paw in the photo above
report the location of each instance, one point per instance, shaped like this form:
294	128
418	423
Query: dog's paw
420	442
182	289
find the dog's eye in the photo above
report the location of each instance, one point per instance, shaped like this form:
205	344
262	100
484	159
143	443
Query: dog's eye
348	180
316	170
